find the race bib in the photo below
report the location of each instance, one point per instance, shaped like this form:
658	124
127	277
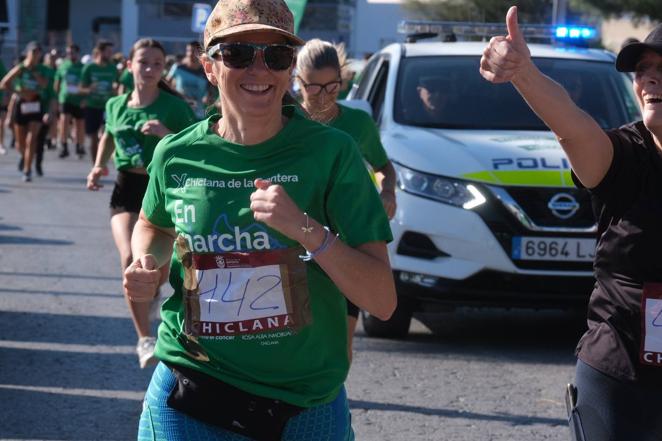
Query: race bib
239	293
29	108
72	89
651	326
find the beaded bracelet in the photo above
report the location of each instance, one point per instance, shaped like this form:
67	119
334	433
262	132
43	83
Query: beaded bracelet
329	239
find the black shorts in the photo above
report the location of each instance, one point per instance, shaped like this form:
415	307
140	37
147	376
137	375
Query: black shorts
75	111
93	120
128	193
23	119
352	309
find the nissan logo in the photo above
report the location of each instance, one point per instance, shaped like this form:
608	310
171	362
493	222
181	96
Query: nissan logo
563	205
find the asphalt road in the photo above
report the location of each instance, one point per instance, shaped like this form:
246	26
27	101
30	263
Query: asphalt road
68	369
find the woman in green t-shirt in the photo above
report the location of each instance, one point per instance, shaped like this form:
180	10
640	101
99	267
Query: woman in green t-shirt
319	73
30	82
270	236
135	122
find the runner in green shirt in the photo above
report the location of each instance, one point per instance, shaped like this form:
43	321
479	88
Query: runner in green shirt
97	84
319	75
3	110
135	122
276	221
67	80
47	131
29	79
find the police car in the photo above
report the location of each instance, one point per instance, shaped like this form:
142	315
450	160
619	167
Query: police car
488	214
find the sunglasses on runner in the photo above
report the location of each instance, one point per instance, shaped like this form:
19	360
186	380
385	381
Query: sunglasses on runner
316	88
242	55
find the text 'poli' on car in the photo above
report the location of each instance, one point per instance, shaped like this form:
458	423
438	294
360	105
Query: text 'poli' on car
488	214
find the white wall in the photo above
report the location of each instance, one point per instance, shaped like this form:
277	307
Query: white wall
375	25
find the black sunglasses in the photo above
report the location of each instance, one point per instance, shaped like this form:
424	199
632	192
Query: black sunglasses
242	55
316	88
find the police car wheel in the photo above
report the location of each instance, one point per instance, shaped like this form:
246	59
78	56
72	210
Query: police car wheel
395	327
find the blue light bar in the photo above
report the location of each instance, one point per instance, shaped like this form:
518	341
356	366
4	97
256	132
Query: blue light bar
575	33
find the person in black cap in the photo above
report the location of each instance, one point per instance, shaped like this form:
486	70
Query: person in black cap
618	392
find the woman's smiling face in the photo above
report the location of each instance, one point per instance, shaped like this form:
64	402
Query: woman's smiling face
255	91
648	90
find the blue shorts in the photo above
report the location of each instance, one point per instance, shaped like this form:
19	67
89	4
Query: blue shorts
328	422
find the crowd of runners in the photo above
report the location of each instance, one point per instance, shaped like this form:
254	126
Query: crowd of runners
259	209
56	99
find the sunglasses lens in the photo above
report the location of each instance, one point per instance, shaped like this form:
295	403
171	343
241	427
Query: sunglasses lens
278	57
237	56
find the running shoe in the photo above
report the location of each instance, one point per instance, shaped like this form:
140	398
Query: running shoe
64	153
3	150
145	351
27	177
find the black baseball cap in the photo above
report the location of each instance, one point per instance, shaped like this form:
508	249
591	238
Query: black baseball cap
629	56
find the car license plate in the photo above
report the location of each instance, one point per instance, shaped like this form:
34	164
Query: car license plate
553	248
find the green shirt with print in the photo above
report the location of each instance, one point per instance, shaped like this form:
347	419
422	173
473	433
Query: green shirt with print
132	147
360	126
200	184
68	75
101	78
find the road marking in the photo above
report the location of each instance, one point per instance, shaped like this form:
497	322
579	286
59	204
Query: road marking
96	393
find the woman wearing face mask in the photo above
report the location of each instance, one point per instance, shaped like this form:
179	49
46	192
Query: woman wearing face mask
319	69
29	78
135	122
618	393
270	236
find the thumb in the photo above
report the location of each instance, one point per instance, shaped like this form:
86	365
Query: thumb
514	33
148	262
262	184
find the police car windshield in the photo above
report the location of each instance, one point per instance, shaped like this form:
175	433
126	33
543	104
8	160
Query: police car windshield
448	92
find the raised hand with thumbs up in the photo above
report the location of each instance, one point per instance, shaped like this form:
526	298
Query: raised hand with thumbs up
508	59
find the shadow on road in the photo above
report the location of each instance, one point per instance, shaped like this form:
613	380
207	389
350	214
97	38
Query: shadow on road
517	335
21	240
50	392
518	420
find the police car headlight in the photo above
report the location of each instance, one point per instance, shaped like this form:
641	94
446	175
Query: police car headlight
442	189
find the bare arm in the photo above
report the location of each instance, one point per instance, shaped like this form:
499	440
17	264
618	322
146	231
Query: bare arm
386	180
363	274
588	148
100	168
151	247
7	80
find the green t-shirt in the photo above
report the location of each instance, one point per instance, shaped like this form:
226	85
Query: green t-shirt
123	123
201	184
26	79
360	126
48	93
126	79
68	75
103	78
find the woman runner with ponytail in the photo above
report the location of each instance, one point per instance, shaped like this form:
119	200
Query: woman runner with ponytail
135	122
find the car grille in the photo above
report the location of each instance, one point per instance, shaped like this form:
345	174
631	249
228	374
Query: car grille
535	203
